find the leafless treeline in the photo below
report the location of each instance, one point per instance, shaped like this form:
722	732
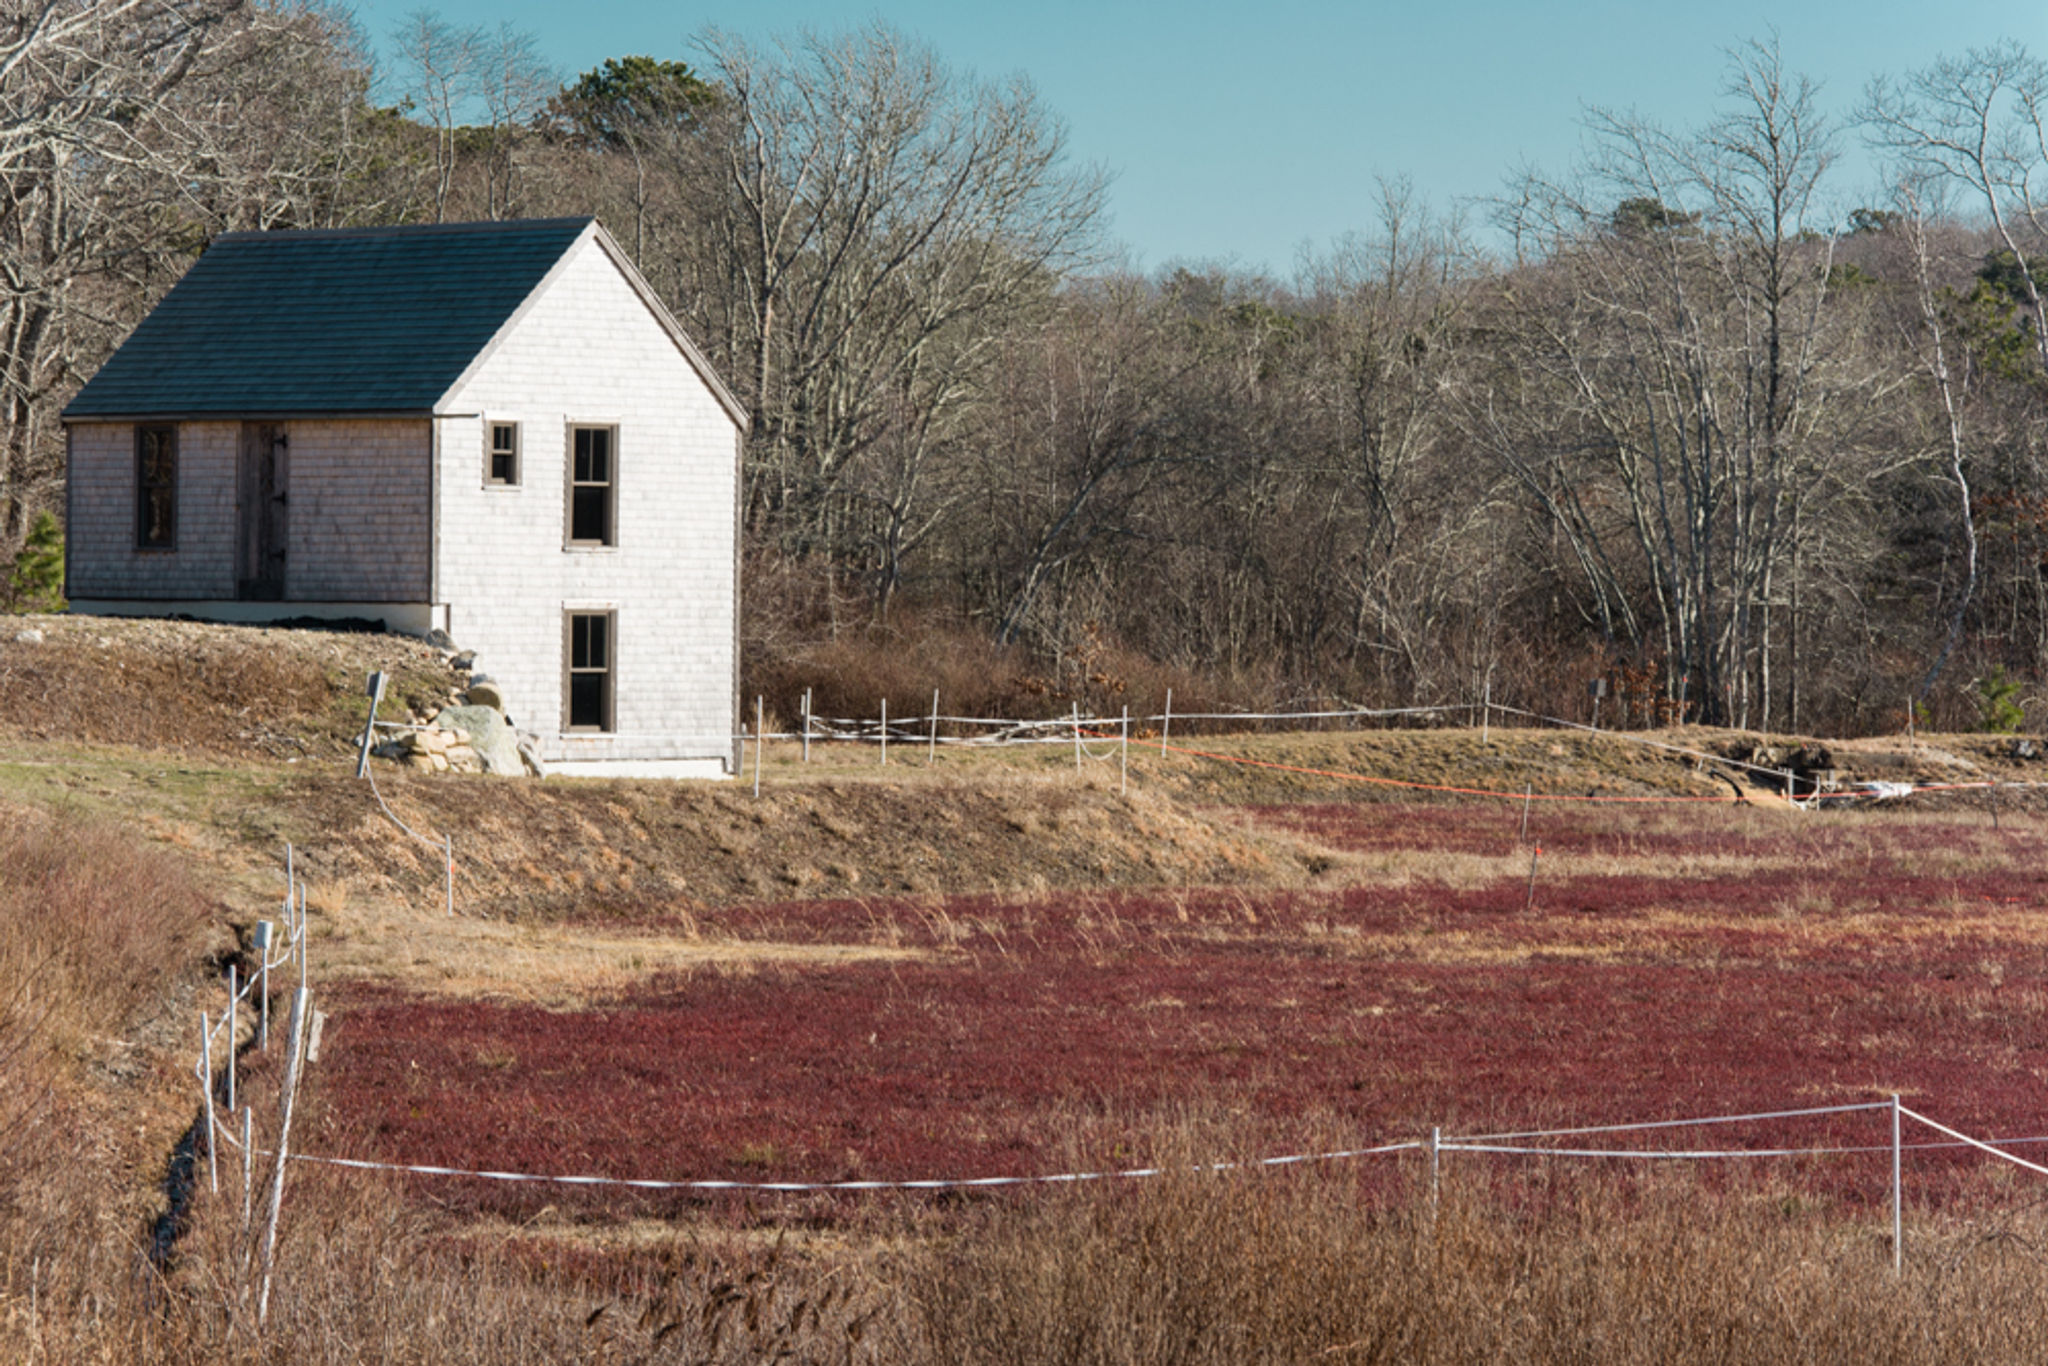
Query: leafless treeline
1689	421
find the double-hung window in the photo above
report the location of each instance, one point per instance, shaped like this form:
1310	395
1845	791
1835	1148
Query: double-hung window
593	486
587	698
501	464
156	488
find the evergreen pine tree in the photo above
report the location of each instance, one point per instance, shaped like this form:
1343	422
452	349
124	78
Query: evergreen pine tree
35	582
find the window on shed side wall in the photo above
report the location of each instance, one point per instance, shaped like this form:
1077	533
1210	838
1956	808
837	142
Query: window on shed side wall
593	486
501	465
156	488
587	696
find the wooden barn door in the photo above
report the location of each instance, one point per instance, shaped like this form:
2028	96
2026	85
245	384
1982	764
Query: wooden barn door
260	542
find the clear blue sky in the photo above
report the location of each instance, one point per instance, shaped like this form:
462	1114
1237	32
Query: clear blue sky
1238	133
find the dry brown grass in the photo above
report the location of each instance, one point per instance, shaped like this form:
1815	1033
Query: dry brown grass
1298	1270
1191	1269
99	937
540	964
187	687
642	851
89	921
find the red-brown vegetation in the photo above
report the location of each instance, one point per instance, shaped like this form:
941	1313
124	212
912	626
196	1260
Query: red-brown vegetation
1729	962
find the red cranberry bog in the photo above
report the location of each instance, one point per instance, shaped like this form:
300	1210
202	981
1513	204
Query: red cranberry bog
1621	963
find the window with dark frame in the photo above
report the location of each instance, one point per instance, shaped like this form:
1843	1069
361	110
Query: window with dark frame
589	695
156	488
504	460
593	487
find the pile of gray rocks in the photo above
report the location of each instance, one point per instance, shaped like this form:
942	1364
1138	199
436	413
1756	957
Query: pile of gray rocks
471	734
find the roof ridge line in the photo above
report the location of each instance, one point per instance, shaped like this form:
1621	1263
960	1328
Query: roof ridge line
396	229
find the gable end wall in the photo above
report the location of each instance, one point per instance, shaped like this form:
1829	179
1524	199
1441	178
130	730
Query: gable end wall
587	351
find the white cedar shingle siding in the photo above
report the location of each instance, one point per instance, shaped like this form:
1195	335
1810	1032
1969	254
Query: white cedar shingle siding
588	352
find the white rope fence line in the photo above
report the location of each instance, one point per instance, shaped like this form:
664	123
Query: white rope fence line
264	964
1751	1118
1442	1144
237	997
292	943
445	846
1700	1154
1975	1143
1076	730
427	840
916	728
800	1187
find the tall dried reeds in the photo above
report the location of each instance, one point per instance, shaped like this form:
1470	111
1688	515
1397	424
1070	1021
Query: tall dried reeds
1186	1269
1199	1269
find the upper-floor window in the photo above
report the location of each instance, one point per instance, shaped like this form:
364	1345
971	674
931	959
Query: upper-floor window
502	466
156	488
593	486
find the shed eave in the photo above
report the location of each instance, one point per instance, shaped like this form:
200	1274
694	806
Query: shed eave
69	418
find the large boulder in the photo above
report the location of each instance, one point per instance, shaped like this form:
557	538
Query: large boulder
490	735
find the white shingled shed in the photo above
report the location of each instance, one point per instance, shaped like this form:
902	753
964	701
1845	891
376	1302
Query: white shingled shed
493	430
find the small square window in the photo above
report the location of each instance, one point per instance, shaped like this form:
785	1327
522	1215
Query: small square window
587	700
503	466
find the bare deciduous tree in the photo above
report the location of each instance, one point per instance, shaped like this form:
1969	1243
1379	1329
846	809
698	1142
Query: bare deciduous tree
1981	121
1948	370
884	220
86	115
442	65
1685	359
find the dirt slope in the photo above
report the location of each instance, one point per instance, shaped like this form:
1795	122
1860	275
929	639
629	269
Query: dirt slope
196	688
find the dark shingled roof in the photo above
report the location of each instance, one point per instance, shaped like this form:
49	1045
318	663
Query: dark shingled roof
355	320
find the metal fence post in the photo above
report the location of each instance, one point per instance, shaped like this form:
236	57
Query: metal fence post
1436	1136
262	936
1898	1213
206	1094
233	1002
294	1061
376	691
